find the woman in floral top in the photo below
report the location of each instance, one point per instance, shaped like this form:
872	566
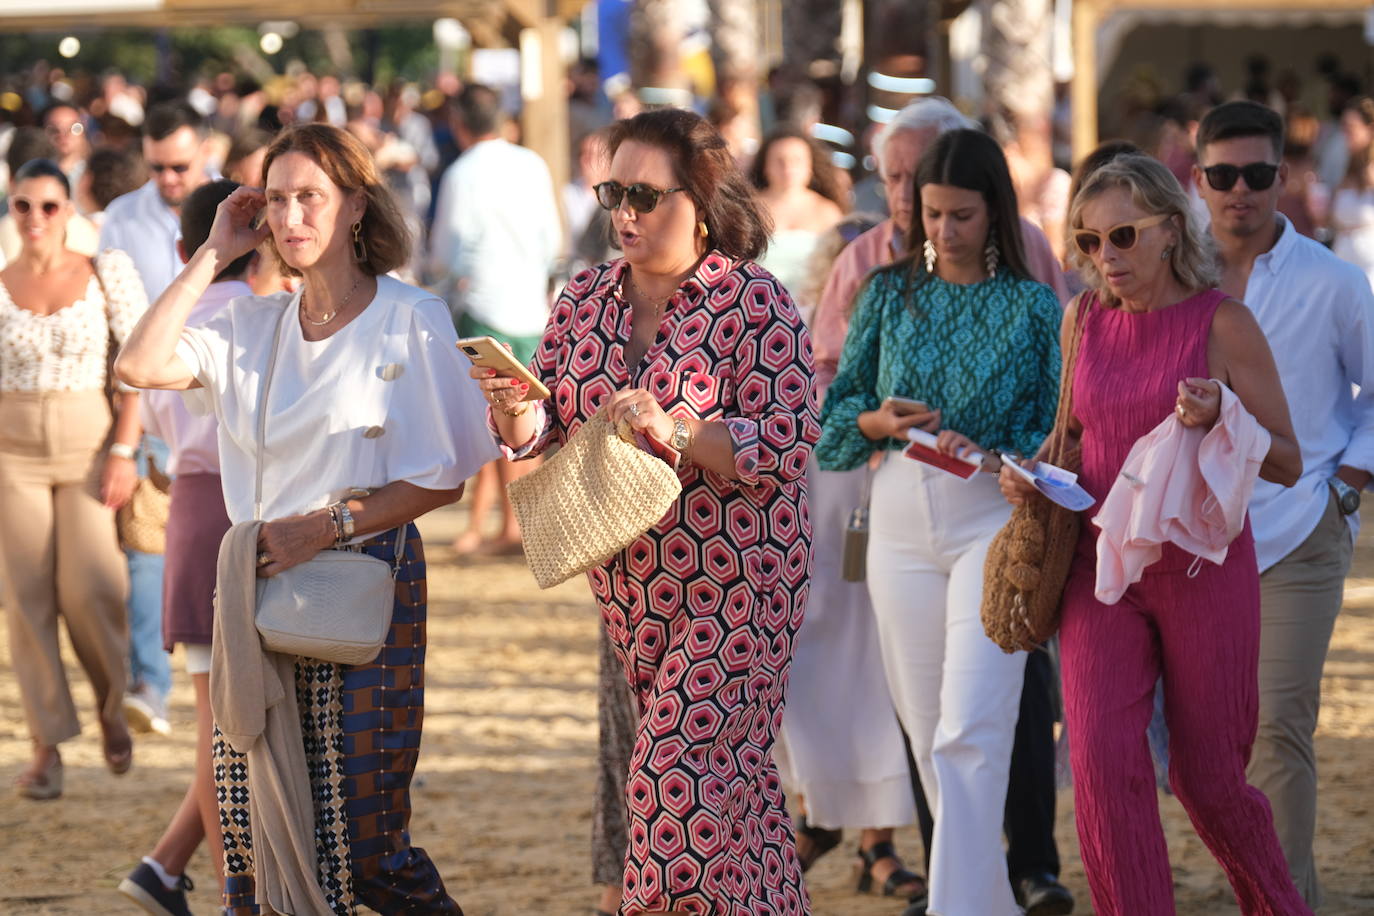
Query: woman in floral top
961	327
65	464
702	350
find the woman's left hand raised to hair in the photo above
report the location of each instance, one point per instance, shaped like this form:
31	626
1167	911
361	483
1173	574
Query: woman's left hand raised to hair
1199	402
291	541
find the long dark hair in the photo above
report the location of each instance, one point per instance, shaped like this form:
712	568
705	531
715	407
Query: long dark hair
735	221
823	180
971	160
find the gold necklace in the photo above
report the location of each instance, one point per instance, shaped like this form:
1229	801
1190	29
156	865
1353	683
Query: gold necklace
657	304
330	316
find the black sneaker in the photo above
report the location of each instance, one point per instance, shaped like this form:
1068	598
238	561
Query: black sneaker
1042	895
145	888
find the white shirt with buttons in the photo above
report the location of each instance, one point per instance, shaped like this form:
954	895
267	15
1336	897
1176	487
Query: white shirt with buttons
385	398
1318	313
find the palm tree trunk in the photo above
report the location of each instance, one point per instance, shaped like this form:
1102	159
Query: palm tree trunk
1019	76
655	36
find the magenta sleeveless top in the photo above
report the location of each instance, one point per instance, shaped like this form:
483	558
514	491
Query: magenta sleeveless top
1126	381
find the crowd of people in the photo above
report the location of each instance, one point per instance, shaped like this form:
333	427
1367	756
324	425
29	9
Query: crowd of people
284	283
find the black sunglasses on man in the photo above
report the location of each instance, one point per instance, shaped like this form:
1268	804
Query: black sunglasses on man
1259	176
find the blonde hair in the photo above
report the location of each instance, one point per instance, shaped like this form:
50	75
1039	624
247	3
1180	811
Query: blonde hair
1155	190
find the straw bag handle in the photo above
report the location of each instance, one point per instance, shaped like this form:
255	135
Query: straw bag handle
1064	410
262	438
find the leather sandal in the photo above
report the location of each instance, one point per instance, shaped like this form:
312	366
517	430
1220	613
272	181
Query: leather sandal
119	755
41	785
902	882
820	839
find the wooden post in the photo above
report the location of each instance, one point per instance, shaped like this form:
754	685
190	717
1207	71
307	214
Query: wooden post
1083	89
544	117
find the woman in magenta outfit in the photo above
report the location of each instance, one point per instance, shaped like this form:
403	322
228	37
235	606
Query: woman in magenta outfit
1155	332
701	349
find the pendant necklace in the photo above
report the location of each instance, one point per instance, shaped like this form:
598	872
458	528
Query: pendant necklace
330	316
657	304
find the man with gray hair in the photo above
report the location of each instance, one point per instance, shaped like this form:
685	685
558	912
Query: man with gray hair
1032	856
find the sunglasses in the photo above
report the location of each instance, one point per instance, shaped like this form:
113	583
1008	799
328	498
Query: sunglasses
1122	236
23	206
642	197
76	130
1258	175
180	169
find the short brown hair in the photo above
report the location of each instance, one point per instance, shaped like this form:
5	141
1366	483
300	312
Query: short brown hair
351	167
1241	118
735	222
114	173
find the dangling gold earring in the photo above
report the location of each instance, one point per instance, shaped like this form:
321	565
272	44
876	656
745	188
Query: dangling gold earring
359	248
701	227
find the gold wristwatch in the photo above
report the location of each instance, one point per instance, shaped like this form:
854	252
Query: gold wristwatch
682	436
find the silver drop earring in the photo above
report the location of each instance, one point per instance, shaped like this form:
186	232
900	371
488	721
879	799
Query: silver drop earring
929	249
992	255
1166	253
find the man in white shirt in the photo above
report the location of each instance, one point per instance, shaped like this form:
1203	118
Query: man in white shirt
145	223
1318	313
496	234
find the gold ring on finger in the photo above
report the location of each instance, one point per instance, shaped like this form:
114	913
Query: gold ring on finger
263	559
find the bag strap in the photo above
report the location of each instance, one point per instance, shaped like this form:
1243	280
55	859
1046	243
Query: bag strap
262	438
262	414
1064	411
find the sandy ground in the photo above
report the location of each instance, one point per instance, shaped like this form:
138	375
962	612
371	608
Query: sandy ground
503	795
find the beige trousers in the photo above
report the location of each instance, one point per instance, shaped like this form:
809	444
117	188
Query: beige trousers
60	556
1300	597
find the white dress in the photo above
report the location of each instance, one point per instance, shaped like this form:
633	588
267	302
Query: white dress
840	745
1352	218
789	259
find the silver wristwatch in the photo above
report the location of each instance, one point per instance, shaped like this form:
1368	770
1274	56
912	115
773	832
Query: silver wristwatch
1347	497
345	520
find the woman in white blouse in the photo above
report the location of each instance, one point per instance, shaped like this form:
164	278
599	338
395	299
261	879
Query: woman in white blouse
65	464
371	422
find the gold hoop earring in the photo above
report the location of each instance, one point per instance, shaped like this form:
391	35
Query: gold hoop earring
702	228
359	247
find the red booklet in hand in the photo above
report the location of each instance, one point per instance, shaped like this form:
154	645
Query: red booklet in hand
922	448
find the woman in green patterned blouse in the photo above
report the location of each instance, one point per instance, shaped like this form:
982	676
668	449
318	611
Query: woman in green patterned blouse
961	327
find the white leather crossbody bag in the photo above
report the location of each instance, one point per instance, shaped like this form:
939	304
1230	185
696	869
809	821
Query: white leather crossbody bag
336	606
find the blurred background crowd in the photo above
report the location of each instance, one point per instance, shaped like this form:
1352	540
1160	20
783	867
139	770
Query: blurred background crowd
831	73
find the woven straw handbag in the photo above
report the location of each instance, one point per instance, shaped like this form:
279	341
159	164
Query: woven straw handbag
589	501
142	521
1028	561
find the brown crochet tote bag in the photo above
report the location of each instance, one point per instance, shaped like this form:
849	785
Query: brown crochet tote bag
1028	561
589	501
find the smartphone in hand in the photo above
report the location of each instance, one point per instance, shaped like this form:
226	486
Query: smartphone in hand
490	353
905	406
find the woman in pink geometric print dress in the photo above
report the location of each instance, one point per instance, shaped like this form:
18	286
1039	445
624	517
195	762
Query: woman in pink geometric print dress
703	351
